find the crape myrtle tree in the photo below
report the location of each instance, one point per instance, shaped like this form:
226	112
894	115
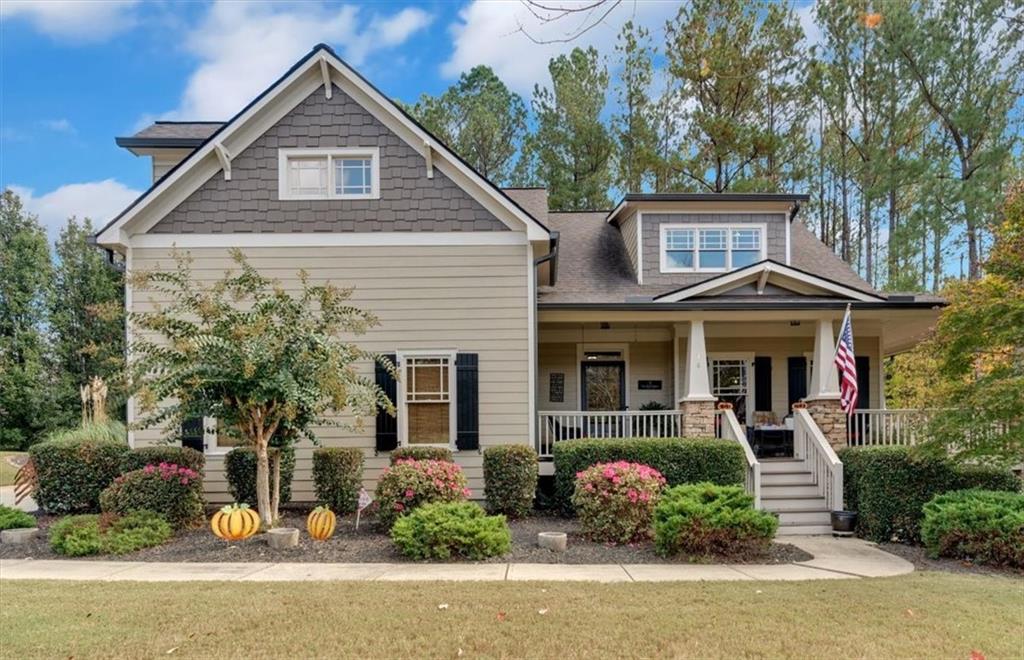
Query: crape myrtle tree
261	360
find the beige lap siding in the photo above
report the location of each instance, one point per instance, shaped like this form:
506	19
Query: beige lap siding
469	298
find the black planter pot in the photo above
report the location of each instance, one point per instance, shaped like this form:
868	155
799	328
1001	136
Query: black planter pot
844	521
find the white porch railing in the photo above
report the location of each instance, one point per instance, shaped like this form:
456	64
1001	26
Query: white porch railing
810	446
875	426
729	428
553	426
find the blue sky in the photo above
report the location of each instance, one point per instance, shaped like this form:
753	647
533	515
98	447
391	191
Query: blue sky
76	74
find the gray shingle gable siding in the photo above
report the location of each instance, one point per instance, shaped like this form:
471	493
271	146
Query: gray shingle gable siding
249	202
776	241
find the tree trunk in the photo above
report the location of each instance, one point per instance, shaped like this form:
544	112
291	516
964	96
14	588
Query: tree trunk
869	237
275	498
263	480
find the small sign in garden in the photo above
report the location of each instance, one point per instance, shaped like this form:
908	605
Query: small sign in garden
364	501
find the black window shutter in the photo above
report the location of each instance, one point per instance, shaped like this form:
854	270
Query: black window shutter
467	401
192	433
863	381
797	379
387	425
762	383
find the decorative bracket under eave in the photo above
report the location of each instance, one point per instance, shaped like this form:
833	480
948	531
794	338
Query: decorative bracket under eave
225	159
763	280
429	155
326	73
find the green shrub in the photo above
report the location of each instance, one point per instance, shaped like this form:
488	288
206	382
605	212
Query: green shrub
138	458
337	477
702	520
73	467
982	526
76	536
240	471
615	501
135	531
89	534
889	486
440	530
510	479
11	518
408	484
421	454
173	491
679	460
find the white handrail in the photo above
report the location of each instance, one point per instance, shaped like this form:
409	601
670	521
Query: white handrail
810	446
556	425
730	429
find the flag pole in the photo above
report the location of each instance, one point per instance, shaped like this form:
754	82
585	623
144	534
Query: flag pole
835	351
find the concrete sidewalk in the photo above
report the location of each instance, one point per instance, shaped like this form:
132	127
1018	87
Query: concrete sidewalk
834	559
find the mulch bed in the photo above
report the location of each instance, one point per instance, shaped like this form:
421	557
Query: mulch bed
369	545
917	556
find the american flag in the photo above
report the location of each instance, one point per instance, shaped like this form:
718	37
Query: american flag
847	366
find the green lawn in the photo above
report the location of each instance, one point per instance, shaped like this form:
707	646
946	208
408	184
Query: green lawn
7	471
934	615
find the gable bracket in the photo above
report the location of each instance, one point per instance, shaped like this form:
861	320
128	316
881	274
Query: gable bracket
763	280
225	159
429	156
326	73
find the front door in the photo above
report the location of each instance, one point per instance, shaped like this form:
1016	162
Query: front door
604	385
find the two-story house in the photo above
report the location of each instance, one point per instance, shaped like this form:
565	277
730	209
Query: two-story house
511	323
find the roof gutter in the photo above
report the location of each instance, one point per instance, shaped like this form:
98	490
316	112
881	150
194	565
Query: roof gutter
760	305
551	256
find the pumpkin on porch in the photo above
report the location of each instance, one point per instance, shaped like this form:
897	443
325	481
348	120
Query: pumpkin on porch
320	523
235	522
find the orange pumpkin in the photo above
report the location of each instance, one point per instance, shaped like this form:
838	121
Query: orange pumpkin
320	523
235	522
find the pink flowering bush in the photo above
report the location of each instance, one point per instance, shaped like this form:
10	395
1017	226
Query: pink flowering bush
615	501
173	491
410	483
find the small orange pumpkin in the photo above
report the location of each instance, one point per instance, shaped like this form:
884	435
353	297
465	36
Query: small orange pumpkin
235	522
320	523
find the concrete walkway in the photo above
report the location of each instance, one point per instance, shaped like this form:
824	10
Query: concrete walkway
834	559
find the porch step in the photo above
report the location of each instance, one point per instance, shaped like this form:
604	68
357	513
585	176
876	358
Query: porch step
781	479
785	466
783	503
772	491
803	530
809	516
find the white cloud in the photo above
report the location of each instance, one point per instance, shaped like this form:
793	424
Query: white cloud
75	20
812	32
498	34
98	200
243	47
59	126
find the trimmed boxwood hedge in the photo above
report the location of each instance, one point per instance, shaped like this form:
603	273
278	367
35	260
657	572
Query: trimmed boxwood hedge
140	457
510	479
422	454
982	526
680	461
337	476
73	467
240	470
889	486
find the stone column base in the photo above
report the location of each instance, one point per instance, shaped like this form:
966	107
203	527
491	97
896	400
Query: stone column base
698	419
830	417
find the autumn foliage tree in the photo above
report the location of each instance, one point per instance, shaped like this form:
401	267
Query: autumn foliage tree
249	353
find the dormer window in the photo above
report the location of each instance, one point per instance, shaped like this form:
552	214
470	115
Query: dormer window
349	173
710	248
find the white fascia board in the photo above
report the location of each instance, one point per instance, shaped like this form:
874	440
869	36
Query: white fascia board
288	93
753	272
314	239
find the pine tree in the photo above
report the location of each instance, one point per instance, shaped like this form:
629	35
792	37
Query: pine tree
86	315
633	126
572	147
24	282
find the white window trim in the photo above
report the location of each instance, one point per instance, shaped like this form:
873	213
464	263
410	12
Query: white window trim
283	155
748	360
211	445
666	227
403	414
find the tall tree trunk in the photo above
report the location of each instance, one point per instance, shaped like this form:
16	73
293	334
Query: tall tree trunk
844	193
275	498
893	254
869	239
263	479
936	260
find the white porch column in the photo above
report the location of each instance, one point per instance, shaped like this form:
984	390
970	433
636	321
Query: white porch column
824	375
696	384
697	404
